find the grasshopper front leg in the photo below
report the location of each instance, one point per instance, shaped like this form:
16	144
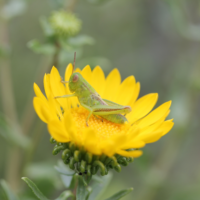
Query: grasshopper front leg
65	96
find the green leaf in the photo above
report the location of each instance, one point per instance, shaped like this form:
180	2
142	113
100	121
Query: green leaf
35	189
63	169
7	190
81	192
37	47
65	195
47	29
67	175
120	194
80	40
98	188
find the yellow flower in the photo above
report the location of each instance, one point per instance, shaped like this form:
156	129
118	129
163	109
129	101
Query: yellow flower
66	119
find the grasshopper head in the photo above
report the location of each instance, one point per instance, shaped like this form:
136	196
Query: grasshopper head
75	81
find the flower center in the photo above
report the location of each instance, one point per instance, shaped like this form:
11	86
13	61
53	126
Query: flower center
103	127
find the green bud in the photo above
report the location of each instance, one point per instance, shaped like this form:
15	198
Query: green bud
65	24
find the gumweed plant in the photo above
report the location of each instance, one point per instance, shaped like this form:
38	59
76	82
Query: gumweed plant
98	122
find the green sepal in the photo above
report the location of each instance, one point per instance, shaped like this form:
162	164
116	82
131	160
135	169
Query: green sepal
57	149
34	188
101	166
72	147
118	168
94	170
9	194
66	154
77	155
89	173
83	166
65	195
81	192
71	163
120	194
88	157
123	161
52	141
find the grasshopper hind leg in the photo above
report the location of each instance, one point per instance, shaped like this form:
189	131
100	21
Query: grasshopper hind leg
98	118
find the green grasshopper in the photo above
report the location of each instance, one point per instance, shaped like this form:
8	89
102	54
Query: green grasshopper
92	101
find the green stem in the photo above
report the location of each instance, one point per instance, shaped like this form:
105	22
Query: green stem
14	158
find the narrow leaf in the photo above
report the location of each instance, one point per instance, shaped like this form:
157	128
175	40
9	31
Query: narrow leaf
64	172
81	192
120	194
7	190
35	189
89	189
65	195
98	188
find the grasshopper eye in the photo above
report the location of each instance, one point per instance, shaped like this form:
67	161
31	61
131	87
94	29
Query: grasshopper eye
75	78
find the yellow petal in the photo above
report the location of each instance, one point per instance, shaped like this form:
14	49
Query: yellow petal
153	127
38	92
112	84
98	80
155	115
87	74
143	106
68	72
57	131
166	126
90	141
47	87
58	89
70	125
133	144
150	137
134	154
135	94
126	91
42	109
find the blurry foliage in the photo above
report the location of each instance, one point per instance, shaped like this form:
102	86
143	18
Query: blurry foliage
157	41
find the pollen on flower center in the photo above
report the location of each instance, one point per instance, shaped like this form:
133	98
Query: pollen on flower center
104	129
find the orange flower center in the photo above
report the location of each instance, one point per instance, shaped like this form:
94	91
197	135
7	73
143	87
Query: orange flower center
103	127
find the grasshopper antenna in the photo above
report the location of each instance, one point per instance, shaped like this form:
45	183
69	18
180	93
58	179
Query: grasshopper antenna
74	61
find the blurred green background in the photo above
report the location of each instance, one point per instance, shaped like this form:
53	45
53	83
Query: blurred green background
157	41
